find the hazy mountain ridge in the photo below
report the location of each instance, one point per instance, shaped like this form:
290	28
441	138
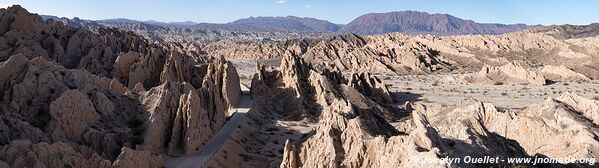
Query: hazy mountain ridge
287	23
408	22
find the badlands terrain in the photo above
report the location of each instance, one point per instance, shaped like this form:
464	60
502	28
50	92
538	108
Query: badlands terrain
80	93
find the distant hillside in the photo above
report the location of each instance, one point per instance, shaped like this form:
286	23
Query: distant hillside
289	23
570	31
412	22
75	22
121	21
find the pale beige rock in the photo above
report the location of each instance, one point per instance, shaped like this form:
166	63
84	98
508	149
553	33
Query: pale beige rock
570	135
189	116
290	159
122	65
231	88
562	73
509	73
588	108
162	103
72	114
193	120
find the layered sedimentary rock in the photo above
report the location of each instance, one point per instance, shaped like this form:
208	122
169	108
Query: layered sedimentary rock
588	108
561	73
24	153
508	73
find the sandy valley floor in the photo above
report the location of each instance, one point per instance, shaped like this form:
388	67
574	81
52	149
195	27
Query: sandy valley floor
445	90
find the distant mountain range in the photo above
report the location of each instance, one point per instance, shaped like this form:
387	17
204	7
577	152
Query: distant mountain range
412	22
408	22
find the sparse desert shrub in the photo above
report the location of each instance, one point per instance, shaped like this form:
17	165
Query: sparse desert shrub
566	84
503	94
596	98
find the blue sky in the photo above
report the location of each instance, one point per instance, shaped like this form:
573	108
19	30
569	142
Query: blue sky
337	11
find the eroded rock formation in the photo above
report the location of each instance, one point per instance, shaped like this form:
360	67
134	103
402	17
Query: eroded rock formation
72	97
509	73
506	133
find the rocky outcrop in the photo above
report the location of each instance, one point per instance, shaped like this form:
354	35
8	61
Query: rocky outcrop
290	159
309	90
176	118
468	130
13	65
588	108
122	66
24	153
554	119
346	143
481	125
509	73
105	52
46	103
184	117
73	113
372	87
561	73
